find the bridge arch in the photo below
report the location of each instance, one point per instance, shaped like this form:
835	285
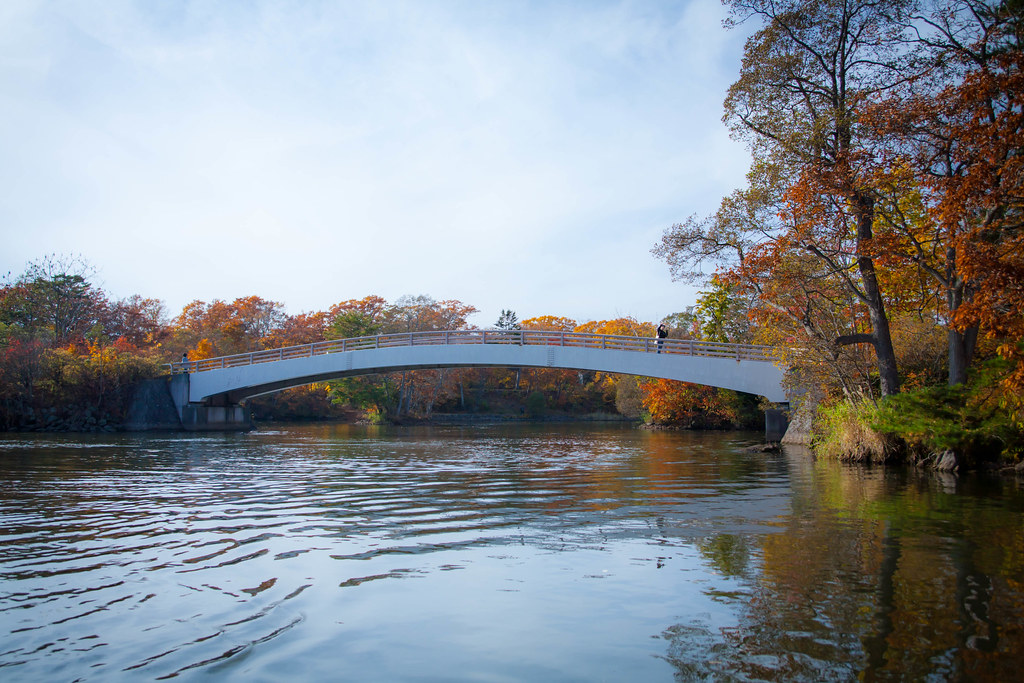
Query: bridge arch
229	380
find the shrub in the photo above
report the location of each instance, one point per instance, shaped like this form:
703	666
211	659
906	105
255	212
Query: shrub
961	419
629	397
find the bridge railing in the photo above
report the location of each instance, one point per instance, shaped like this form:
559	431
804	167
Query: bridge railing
588	340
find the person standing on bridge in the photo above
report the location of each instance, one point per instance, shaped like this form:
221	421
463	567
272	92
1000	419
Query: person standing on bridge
662	333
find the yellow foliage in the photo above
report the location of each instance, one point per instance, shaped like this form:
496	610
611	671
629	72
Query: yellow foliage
549	322
204	349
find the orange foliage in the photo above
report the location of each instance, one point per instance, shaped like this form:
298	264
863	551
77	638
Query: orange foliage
304	328
626	327
237	327
959	149
991	254
549	322
689	405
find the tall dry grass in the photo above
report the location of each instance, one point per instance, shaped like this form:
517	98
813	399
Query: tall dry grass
843	431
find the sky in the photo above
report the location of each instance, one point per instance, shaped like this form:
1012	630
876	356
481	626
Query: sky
512	155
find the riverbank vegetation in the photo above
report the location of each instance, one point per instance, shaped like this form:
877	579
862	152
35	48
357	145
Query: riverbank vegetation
70	353
880	235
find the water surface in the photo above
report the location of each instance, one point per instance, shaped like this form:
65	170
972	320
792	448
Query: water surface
496	553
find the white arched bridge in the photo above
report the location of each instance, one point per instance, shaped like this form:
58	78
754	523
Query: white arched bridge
208	392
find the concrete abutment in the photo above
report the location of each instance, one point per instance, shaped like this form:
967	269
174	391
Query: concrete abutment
776	423
162	405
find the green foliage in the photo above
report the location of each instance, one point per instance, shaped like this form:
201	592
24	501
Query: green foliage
683	324
722	314
370	393
508	320
728	553
53	297
536	404
376	416
968	419
352	324
961	418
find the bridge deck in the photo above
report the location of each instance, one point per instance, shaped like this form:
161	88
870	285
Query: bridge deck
686	347
210	393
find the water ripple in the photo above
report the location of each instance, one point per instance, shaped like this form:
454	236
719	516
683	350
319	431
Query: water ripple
298	553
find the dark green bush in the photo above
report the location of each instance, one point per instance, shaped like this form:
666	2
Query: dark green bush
535	404
963	419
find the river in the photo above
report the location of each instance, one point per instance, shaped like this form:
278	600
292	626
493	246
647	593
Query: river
496	553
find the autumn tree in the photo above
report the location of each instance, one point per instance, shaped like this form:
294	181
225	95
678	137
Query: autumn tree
21	368
552	323
992	189
420	391
721	314
295	330
945	137
54	297
67	352
374	307
246	324
422	313
52	304
692	406
142	322
257	318
811	204
596	391
398	395
977	125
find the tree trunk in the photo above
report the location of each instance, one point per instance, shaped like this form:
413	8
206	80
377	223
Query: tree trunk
961	351
401	397
961	343
884	351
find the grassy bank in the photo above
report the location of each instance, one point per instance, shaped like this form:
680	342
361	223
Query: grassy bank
950	428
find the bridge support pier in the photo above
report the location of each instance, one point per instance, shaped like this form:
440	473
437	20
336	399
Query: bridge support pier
198	417
776	422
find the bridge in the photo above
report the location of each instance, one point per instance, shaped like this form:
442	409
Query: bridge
208	393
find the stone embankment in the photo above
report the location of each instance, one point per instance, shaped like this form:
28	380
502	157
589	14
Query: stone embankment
69	419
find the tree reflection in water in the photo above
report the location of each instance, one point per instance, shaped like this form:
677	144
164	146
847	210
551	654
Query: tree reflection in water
876	575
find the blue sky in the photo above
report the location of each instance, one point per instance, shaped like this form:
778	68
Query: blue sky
509	154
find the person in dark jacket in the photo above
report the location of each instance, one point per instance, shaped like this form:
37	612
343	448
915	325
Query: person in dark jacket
662	333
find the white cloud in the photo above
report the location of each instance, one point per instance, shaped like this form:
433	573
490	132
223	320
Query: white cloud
506	154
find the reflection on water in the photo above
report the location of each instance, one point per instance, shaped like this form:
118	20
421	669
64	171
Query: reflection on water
496	553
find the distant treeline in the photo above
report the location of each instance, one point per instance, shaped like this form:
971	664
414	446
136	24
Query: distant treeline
69	354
